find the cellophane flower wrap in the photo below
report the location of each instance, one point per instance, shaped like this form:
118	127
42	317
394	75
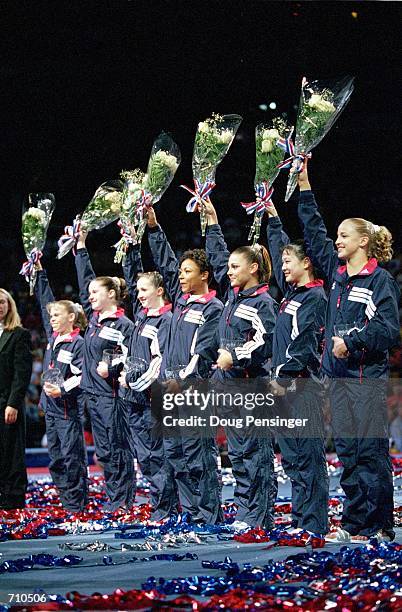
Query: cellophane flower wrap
133	190
36	217
212	142
268	154
321	103
103	209
143	190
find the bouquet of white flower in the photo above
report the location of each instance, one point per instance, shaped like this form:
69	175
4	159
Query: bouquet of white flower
35	222
130	216
143	190
321	103
212	141
104	208
268	154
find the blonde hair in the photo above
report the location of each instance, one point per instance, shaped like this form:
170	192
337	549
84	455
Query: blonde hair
380	238
80	319
12	318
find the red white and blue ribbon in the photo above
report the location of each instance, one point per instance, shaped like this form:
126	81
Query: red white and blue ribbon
144	202
200	192
70	237
296	160
263	199
29	265
123	231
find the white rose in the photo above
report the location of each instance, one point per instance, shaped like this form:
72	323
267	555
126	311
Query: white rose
325	106
267	146
36	213
314	100
203	127
271	134
319	103
225	136
168	160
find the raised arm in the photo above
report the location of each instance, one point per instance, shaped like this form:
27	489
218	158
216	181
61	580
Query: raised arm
277	239
44	295
85	272
131	268
164	257
322	248
216	248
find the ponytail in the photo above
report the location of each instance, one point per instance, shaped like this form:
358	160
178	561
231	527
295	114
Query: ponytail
80	320
257	254
116	284
380	238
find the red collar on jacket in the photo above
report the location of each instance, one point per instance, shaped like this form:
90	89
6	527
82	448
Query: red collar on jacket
317	282
68	337
367	269
203	299
160	310
262	289
115	315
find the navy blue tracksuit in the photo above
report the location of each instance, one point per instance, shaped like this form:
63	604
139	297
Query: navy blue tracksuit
249	318
192	456
148	343
296	358
366	303
64	430
106	409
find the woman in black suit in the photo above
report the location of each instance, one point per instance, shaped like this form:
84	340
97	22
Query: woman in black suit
15	374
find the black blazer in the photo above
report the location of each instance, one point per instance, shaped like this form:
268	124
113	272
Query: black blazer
15	367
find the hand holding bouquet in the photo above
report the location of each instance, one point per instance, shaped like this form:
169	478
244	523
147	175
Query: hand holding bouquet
212	141
104	208
268	154
35	222
320	105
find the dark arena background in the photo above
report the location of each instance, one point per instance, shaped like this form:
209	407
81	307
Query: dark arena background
86	86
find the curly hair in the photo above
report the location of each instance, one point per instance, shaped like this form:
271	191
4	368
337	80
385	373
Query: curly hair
199	257
380	238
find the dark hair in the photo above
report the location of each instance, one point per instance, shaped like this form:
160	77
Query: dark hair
72	308
113	283
156	280
300	249
257	254
199	257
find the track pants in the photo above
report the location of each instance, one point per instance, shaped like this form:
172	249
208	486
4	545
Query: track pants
304	460
68	464
147	445
360	429
111	437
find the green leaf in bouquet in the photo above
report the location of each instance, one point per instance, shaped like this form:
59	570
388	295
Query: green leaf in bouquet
105	206
161	169
212	141
34	225
268	152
